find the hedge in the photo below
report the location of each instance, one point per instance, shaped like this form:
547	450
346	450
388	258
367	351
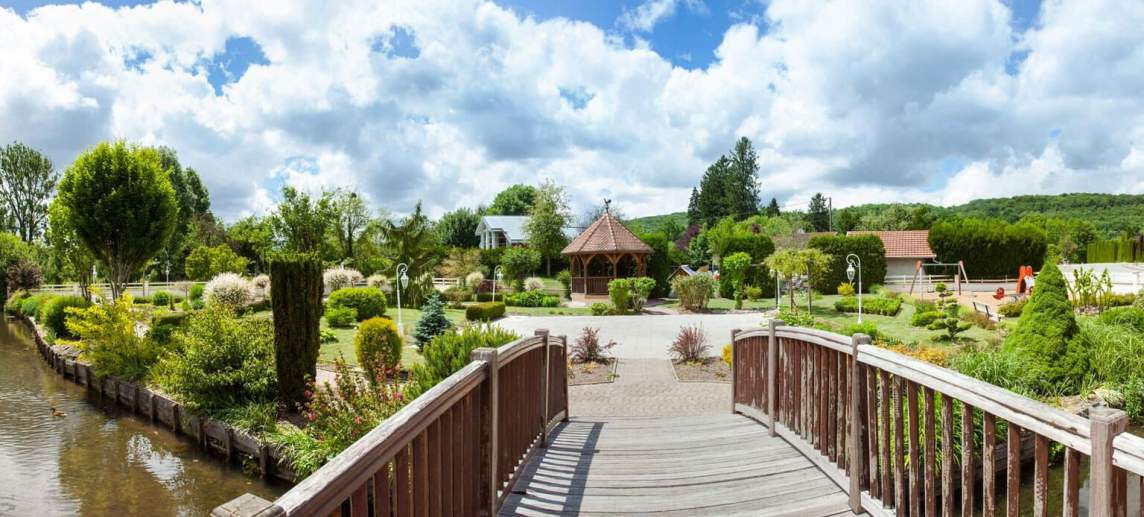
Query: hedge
487	311
369	302
531	299
870	251
870	305
990	248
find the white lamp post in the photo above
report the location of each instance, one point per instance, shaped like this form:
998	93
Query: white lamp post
402	281
852	262
497	275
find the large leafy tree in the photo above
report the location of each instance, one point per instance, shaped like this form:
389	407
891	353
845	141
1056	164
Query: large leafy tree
204	263
253	238
818	214
300	222
74	260
546	222
515	200
458	229
12	251
122	206
411	241
351	217
27	181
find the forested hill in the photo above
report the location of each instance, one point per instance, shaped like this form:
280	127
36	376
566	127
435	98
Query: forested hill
1110	213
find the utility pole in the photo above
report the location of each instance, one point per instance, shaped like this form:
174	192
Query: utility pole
830	210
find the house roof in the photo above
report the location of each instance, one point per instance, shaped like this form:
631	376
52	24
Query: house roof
903	244
513	226
606	235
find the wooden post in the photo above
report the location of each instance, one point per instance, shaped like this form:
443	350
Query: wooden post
857	397
488	413
1106	424
772	374
734	378
563	368
543	334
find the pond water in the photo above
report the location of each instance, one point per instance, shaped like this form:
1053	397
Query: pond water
95	460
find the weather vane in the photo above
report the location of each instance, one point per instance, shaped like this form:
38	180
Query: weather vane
607	205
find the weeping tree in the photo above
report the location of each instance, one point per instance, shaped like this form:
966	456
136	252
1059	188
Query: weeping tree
122	206
296	296
791	263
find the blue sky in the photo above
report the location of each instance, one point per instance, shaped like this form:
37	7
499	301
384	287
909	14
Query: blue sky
449	101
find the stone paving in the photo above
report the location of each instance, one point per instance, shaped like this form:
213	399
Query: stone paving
647	388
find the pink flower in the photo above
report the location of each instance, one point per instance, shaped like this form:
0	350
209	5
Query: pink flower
357	420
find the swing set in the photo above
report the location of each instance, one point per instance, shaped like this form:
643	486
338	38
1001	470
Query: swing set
924	271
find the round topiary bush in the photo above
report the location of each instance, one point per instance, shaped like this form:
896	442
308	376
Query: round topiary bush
377	345
340	278
367	301
53	313
341	317
230	290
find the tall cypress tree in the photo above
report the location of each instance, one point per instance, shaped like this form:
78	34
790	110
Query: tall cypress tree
296	296
818	213
773	208
712	192
693	214
743	188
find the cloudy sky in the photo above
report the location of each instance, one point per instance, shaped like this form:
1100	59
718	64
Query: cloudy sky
448	102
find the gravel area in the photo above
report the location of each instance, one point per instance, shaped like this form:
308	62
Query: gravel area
592	373
710	369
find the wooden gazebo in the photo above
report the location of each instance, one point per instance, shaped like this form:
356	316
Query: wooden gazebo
607	250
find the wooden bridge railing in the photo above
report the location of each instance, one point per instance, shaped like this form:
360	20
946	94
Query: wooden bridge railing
904	437
455	450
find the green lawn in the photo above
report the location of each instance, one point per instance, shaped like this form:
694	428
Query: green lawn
726	304
549	311
344	346
893	326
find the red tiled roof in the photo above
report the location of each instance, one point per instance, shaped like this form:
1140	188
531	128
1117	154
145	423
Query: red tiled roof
903	244
605	235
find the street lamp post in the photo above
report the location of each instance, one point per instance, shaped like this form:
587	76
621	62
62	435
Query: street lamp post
852	262
497	275
402	281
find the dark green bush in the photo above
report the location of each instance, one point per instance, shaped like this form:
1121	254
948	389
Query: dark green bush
340	317
1045	331
759	247
369	302
296	294
924	319
491	258
377	346
162	299
870	305
869	249
196	292
223	361
31	305
487	311
565	279
449	352
164	324
991	248
531	299
53	315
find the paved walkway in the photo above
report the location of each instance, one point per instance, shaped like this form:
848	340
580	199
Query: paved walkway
721	464
643	336
647	387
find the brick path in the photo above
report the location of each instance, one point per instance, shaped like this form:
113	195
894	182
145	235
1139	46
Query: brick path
647	387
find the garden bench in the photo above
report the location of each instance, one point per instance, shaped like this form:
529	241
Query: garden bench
982	308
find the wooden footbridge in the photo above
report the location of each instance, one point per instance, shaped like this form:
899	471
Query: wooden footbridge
820	424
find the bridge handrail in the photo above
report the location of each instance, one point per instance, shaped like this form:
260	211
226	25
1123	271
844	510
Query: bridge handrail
808	385
456	449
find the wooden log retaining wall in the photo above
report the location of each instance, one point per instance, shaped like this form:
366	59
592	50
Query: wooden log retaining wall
870	419
214	436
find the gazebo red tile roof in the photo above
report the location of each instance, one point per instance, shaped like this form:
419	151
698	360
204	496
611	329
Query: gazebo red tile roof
903	244
606	235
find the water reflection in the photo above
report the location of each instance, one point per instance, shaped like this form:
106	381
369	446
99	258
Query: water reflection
95	460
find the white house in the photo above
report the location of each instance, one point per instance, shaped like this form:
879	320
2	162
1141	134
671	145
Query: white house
502	231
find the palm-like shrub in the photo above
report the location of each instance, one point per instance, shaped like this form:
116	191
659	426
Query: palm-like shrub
341	278
380	282
588	349
367	301
450	352
377	346
433	321
690	344
473	280
228	290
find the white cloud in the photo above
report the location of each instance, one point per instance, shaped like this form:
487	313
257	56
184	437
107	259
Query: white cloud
649	13
865	102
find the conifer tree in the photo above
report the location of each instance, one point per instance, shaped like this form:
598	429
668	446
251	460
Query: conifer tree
433	321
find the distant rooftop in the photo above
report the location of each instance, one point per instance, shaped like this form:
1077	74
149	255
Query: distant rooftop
903	243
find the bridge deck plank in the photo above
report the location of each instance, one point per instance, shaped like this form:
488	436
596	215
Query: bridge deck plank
709	465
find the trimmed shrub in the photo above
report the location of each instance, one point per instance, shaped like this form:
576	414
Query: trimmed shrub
694	291
229	290
865	327
759	246
296	295
531	299
1045	330
377	346
620	292
340	278
869	249
587	347
533	283
1012	309
367	301
870	305
991	248
924	319
487	311
457	296
53	314
451	351
601	309
162	299
690	344
340	317
753	293
433	321
224	361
